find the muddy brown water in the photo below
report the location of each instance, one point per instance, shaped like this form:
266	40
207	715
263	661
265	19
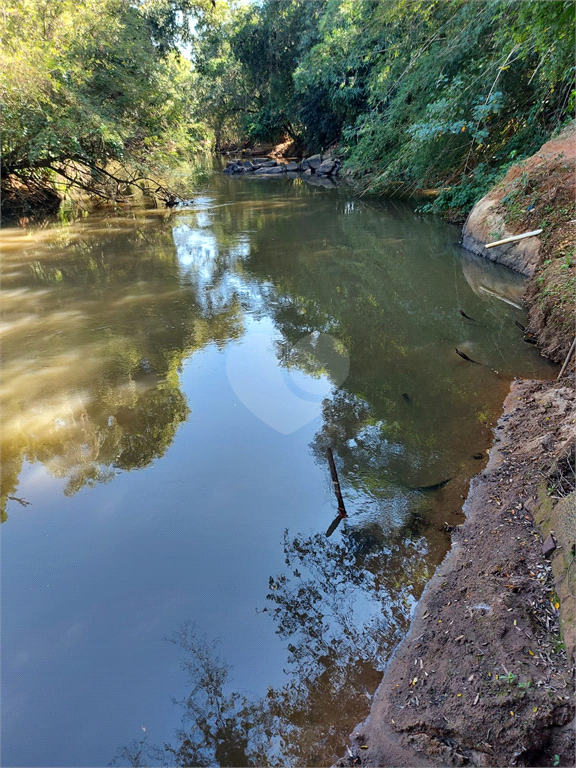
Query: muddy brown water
171	382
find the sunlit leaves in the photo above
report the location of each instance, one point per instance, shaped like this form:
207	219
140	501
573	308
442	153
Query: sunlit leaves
87	82
417	93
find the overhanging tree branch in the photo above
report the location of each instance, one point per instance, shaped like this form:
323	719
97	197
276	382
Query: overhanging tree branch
92	178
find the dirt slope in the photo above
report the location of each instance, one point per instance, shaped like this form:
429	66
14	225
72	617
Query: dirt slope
501	213
483	677
538	193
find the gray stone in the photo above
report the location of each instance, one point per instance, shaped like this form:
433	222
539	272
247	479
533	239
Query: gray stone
248	164
529	505
314	162
269	170
321	181
293	167
549	546
327	168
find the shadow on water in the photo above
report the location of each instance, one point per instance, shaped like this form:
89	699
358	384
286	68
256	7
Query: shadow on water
101	317
342	607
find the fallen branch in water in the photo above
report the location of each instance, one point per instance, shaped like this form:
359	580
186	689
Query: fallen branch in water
465	357
335	481
435	487
338	493
529	338
23	502
469	360
334	524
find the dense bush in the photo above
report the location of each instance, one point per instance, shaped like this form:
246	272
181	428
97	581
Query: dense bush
426	93
89	87
416	94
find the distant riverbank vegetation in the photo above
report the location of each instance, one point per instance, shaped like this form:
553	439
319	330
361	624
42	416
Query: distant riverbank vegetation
410	95
95	96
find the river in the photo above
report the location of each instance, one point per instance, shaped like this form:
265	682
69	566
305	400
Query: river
172	381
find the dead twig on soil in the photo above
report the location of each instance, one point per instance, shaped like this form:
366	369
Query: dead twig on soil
567	360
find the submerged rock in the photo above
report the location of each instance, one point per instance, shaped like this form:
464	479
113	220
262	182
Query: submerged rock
270	170
549	546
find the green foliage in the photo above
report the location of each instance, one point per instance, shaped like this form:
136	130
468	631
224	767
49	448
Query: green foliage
86	84
336	68
417	94
467	90
462	197
244	65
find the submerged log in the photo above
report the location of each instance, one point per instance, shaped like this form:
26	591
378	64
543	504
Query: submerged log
435	487
464	356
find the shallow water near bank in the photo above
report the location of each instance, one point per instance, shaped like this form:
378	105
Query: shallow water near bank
172	380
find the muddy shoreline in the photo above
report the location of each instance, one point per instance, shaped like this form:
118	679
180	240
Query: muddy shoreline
483	677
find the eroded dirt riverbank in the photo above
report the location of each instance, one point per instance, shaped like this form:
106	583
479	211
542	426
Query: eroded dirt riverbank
483	677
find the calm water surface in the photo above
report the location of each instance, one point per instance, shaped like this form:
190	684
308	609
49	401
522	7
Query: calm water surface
171	381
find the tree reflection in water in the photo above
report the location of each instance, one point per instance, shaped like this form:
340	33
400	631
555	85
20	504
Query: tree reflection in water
140	754
342	606
93	389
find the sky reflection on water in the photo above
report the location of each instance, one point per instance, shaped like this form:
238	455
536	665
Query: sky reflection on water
171	343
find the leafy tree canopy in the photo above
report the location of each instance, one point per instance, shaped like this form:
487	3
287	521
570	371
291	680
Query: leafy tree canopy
95	90
413	94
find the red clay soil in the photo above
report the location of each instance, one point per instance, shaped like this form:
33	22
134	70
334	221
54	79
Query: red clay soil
483	677
538	193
